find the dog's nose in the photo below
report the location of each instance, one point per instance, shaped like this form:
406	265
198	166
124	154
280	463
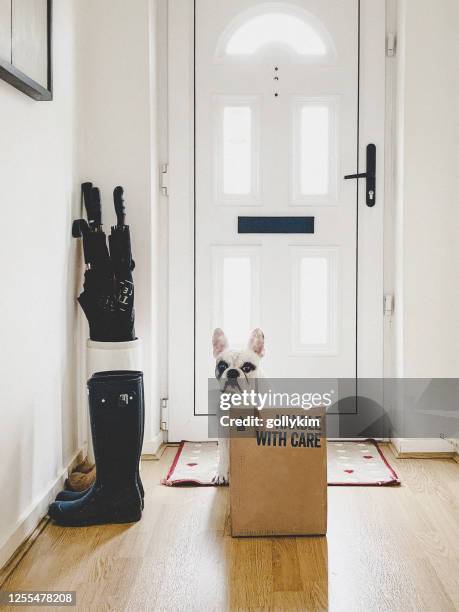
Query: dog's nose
232	374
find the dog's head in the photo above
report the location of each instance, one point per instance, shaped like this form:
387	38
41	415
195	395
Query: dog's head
234	368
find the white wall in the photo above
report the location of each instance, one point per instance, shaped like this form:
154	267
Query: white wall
426	322
427	292
38	432
101	126
117	131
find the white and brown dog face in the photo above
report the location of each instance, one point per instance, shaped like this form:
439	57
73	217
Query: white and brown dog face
235	368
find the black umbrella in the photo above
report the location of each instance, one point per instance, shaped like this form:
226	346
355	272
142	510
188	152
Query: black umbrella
108	291
123	265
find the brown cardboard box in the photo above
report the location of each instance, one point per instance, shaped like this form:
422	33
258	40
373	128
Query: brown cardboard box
279	487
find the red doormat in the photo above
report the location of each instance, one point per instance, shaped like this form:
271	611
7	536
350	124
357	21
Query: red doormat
349	464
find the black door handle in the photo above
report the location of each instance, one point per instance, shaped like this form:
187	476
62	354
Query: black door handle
370	175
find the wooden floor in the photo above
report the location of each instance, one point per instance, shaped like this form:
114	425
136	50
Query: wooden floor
387	549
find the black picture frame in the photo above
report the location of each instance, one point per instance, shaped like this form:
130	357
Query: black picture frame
20	80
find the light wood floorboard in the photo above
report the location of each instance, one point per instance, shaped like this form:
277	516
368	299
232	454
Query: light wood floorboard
394	548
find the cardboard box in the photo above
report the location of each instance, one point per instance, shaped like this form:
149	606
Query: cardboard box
278	478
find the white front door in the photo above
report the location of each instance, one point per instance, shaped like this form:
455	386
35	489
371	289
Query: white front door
276	105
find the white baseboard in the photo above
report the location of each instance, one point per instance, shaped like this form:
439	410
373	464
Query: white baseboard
422	445
151	447
30	518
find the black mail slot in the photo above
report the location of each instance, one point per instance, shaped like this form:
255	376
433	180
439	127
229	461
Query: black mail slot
275	225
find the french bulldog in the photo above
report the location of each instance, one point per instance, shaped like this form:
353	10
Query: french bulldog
234	369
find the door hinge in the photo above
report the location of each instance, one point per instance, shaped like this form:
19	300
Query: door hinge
164	179
164	413
388	305
391	47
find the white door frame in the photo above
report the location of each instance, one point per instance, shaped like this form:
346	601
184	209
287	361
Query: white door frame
181	125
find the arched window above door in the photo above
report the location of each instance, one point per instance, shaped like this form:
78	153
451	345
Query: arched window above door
271	31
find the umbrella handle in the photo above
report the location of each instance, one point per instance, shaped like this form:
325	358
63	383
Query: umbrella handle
96	207
120	210
91	199
86	191
80	228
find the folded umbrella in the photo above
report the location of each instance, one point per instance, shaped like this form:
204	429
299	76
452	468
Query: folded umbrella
97	299
108	291
123	265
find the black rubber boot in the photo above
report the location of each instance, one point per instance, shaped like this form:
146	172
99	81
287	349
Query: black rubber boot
115	407
74	495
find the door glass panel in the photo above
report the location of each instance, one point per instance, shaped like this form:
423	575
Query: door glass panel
237	150
237	282
315	151
315	128
314	300
275	28
235	291
260	31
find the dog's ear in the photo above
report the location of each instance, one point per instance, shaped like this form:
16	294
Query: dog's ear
219	341
257	342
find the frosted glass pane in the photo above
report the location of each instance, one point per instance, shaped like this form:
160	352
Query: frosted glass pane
314	301
276	29
314	150
237	150
237	292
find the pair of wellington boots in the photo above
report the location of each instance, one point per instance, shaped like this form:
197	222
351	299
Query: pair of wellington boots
116	408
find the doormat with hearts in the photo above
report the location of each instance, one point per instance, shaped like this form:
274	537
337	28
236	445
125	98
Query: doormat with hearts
349	464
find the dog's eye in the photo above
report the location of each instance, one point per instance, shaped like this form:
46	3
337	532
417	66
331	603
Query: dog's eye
248	367
222	366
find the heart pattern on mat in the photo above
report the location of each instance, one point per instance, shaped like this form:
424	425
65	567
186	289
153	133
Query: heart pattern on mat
196	463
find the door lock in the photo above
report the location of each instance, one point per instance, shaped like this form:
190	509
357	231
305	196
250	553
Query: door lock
369	175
